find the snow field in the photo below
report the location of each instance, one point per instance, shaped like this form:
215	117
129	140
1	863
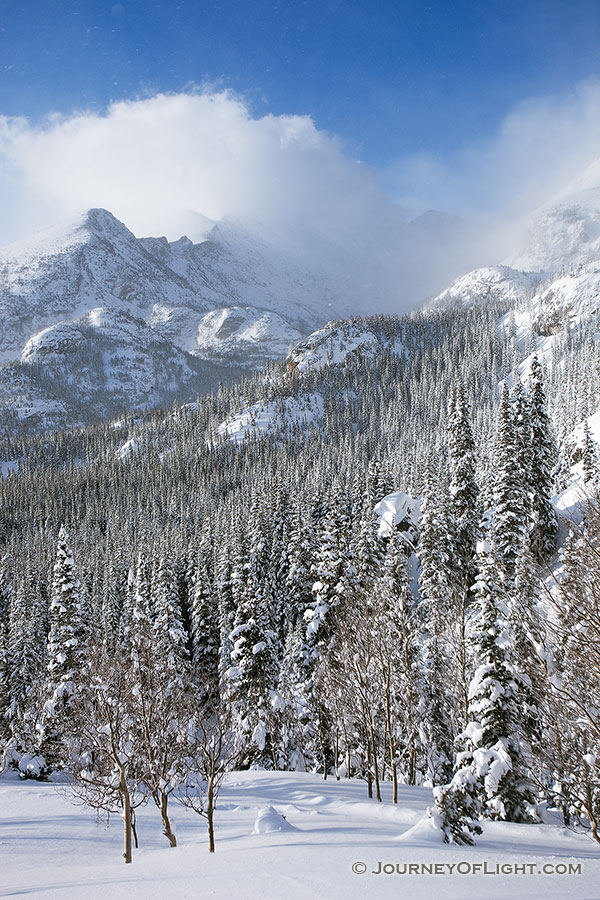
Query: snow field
51	849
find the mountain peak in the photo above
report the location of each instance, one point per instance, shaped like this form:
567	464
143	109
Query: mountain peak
102	222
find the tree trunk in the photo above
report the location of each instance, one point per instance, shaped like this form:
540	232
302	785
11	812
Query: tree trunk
134	830
464	680
589	808
390	737
375	764
167	830
210	809
412	764
127	853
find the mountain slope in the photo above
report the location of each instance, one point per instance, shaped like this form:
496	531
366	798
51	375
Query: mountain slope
487	285
100	365
564	234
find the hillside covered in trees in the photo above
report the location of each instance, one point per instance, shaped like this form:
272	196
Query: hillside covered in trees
351	565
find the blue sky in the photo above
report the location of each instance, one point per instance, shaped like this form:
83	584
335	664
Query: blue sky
392	78
322	117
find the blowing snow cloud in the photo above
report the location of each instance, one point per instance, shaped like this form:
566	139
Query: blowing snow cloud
163	163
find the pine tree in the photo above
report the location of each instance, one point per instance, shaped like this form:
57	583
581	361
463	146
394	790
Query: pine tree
26	656
252	676
170	637
438	646
64	650
463	487
491	774
333	574
589	459
511	498
542	461
462	532
5	597
205	635
113	599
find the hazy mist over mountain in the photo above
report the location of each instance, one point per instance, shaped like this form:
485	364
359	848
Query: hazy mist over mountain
174	164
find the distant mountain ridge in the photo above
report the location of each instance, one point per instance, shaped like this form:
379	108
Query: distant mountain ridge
95	321
116	322
96	261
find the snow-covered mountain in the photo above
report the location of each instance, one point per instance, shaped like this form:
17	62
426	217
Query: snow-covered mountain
93	318
62	273
239	298
101	364
553	280
244	335
489	284
565	232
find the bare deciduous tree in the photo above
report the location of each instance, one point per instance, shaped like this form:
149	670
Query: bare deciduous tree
215	751
106	769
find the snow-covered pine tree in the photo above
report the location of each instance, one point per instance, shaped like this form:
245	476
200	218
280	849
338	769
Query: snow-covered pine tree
64	651
492	769
333	573
367	549
26	658
251	679
462	529
439	654
298	598
205	635
5	595
379	480
463	487
589	459
277	513
510	495
170	638
113	598
229	579
543	458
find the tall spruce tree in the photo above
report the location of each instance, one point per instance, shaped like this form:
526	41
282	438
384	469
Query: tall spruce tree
252	676
511	495
440	653
492	769
65	651
463	486
543	458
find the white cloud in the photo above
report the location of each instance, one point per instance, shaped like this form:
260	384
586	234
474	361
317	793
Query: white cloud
160	164
152	162
541	146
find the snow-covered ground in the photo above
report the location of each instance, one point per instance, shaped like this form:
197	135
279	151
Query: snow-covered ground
52	849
